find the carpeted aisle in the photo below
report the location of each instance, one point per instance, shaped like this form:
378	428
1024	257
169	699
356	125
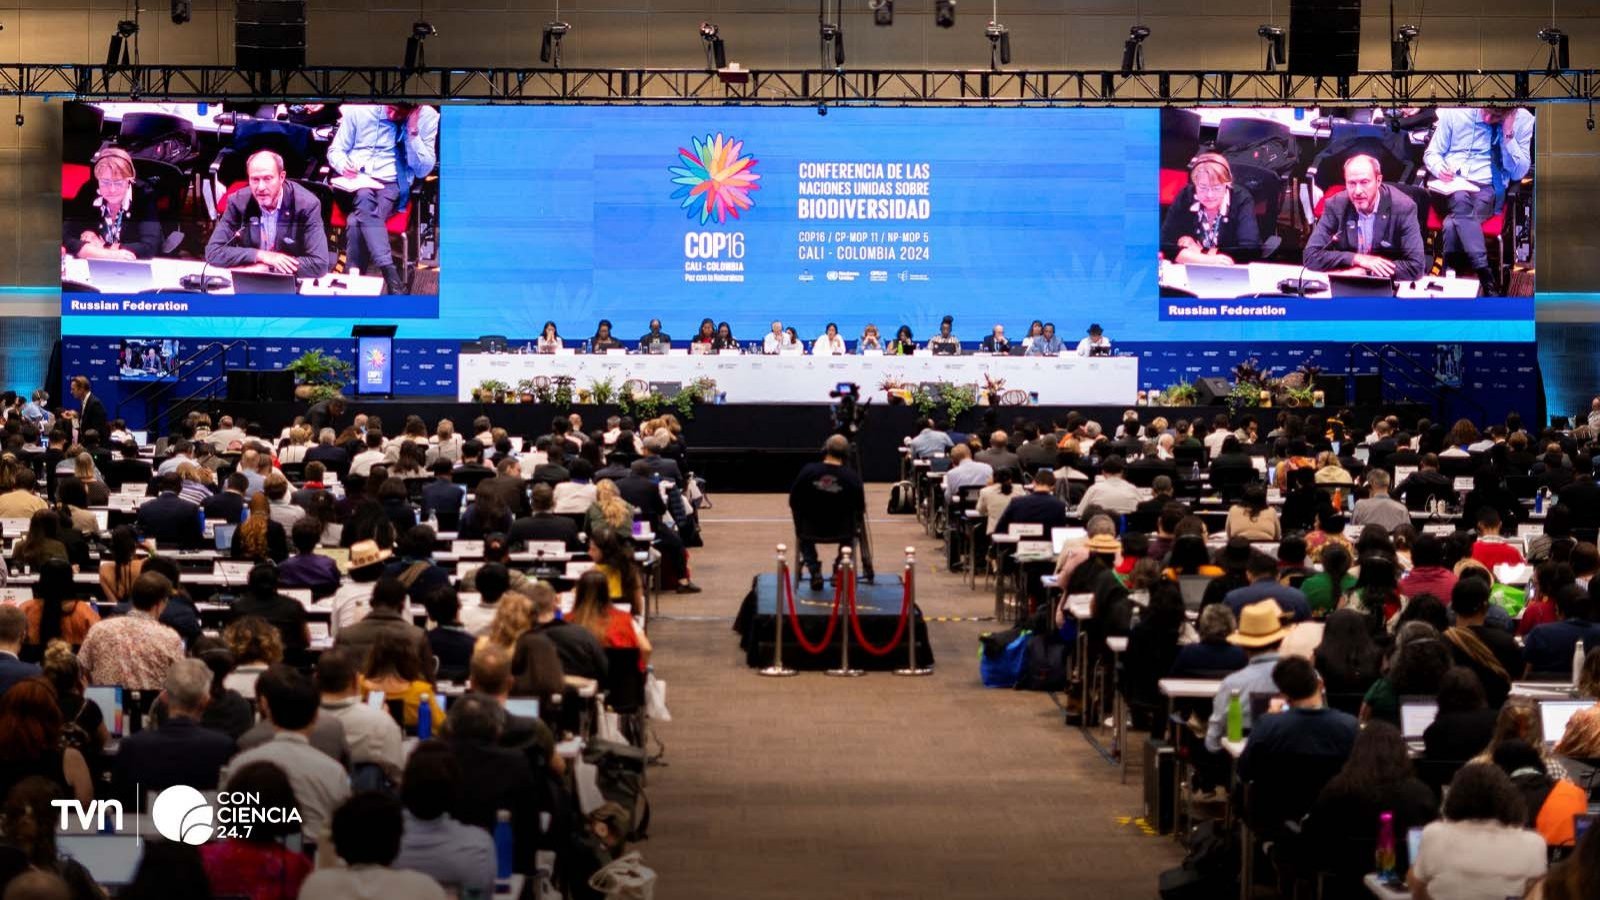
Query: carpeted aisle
877	787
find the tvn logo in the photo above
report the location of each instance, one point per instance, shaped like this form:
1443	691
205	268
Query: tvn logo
95	815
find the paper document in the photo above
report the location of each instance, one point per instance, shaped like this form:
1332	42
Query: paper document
354	183
1457	185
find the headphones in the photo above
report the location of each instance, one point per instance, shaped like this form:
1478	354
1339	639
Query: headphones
105	153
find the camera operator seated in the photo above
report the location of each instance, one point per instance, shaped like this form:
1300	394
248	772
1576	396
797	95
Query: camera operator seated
827	501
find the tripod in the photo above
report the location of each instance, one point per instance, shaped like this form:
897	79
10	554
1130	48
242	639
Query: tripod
863	532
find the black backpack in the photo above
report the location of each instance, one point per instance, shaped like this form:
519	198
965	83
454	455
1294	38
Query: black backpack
1275	153
900	499
1210	870
1044	666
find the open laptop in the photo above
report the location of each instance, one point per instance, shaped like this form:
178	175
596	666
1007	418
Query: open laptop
264	283
109	699
1193	588
1218	281
1553	717
1416	714
223	533
120	276
112	859
1354	286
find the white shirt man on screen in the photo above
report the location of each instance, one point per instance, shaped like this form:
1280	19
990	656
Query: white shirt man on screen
1096	344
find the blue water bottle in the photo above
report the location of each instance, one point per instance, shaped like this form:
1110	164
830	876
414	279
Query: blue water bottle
425	718
1538	500
502	844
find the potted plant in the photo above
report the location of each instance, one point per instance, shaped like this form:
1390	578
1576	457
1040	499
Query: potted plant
898	392
491	391
602	391
958	398
525	391
319	375
1183	393
561	391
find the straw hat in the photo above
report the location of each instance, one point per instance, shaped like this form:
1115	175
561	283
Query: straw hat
367	553
1104	543
1260	624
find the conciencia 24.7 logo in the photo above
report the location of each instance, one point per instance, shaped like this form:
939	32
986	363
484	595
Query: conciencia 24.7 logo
182	813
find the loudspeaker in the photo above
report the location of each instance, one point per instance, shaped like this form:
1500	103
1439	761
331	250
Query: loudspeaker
1333	389
1324	37
269	34
1369	390
242	385
275	386
1214	391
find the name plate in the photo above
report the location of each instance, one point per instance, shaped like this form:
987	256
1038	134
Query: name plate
467	549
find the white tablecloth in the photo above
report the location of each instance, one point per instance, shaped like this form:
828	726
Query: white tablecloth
1058	380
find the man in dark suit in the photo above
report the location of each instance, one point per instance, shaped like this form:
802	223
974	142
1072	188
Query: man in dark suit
508	485
1369	229
181	751
1425	484
441	497
662	468
92	416
551	472
1582	495
333	458
1038	506
543	525
472	470
999	455
640	488
127	468
170	520
13	628
325	414
227	505
275	226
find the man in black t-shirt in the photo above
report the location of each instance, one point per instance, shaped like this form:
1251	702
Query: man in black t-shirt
827	501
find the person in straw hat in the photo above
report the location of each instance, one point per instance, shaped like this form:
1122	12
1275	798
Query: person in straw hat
1260	633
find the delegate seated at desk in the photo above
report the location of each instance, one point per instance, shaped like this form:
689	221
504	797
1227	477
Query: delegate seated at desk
1212	222
393	144
275	226
1369	229
112	216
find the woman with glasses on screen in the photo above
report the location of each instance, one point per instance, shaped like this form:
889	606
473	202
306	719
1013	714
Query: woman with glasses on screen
1212	221
112	217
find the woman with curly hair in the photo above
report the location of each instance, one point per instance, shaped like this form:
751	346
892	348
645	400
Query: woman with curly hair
609	509
1480	847
255	644
513	616
260	538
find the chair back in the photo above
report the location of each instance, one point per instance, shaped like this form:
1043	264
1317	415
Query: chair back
1180	137
624	683
81	124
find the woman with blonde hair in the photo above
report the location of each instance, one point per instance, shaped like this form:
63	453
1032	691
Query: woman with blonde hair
112	216
609	509
294	452
83	472
194	487
513	616
1212	222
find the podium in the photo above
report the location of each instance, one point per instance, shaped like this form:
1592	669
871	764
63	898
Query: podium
374	360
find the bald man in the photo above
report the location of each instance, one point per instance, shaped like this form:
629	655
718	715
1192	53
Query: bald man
1370	228
273	226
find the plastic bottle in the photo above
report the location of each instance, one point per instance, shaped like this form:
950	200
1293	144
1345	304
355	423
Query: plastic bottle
1194	472
1384	857
502	844
1538	501
1578	653
424	718
1235	717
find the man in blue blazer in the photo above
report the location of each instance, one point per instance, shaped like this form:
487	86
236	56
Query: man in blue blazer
13	628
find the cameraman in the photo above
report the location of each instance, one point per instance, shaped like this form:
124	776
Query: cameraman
827	500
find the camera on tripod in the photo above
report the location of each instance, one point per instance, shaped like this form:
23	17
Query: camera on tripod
848	414
845	389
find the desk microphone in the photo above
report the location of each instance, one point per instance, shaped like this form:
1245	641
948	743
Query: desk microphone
203	284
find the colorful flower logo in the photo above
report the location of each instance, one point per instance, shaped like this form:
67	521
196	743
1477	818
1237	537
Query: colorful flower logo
375	357
715	180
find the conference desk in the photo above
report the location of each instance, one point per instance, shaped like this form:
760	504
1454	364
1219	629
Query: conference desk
1264	278
754	378
165	274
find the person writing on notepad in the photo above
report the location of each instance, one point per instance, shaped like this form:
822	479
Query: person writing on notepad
275	226
378	151
1368	229
1488	148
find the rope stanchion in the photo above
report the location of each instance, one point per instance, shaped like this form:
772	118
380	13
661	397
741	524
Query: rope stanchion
912	669
844	586
900	627
794	619
778	669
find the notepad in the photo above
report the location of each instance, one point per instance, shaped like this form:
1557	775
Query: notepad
355	183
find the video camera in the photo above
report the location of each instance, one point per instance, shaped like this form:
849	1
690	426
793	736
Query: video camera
845	389
849	414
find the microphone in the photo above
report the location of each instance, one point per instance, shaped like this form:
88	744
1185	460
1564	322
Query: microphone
202	283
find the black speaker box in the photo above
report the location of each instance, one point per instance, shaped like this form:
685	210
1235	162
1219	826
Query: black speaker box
269	34
1324	37
275	386
242	385
1369	390
1333	389
1214	391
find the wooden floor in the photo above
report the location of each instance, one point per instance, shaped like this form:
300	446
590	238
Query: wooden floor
878	787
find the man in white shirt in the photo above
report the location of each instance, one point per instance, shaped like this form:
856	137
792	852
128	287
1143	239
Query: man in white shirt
182	452
225	434
285	513
964	470
1112	493
289	700
1220	430
775	340
1095	342
372	733
1379	508
366	459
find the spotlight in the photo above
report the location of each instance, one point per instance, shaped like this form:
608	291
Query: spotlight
1400	54
822	109
20	121
944	13
1133	50
182	11
716	49
1277	46
882	11
1557	39
416	54
118	50
999	44
550	45
832	35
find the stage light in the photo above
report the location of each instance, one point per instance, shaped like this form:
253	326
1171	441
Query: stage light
999	44
416	54
550	45
716	48
1277	46
1400	54
1133	50
117	52
944	13
882	11
1557	39
182	11
832	36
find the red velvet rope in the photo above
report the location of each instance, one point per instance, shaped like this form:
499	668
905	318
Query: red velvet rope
794	618
899	630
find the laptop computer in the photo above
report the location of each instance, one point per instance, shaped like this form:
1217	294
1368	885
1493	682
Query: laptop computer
112	859
946	350
1416	714
109	699
1218	281
264	283
1353	286
120	276
223	533
1553	716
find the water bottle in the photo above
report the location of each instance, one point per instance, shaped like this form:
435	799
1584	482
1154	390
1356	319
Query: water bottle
502	844
1235	717
424	718
1384	856
1194	472
1578	654
1538	499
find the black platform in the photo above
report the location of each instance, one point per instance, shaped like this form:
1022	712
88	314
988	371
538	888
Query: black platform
877	605
762	446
